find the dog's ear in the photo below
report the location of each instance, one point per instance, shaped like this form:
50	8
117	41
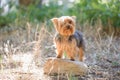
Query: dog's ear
73	17
55	21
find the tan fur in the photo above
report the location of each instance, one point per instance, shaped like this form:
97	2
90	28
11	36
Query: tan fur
63	44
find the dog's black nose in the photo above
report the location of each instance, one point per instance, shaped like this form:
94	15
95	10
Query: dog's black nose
68	26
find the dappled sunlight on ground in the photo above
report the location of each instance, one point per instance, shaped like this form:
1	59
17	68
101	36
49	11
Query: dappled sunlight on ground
25	61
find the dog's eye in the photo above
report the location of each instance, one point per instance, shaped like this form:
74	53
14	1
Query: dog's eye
70	22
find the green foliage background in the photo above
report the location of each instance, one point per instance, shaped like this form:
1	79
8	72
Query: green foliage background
92	10
85	10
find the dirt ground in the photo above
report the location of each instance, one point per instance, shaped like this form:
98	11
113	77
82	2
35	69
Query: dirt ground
24	52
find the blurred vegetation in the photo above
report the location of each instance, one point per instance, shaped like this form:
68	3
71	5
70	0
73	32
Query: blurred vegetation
108	11
32	13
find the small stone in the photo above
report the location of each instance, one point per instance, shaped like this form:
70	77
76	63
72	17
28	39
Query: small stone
64	66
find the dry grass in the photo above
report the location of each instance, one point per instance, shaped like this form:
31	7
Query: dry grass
23	53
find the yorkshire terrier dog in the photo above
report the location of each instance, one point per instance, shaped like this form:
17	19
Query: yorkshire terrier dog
68	40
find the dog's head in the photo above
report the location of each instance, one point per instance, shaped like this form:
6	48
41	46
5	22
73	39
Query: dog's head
65	25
